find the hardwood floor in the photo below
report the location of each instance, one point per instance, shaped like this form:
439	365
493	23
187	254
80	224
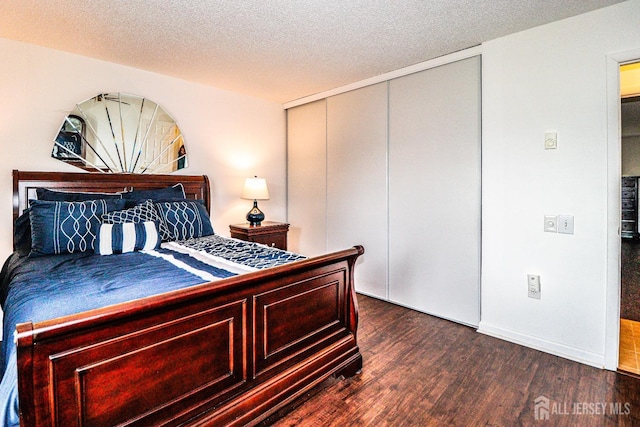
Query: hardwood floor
420	370
629	359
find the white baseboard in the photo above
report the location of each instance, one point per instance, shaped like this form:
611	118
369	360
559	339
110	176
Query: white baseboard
561	350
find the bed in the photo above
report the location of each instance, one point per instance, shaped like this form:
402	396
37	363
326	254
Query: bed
230	351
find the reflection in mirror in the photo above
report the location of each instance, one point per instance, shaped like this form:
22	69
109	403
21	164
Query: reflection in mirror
114	132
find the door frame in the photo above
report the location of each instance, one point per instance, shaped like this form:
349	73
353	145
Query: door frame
614	173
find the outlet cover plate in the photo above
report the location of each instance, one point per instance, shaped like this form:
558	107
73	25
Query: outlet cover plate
533	284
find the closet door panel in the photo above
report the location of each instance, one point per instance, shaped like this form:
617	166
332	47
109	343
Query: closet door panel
357	182
306	178
434	191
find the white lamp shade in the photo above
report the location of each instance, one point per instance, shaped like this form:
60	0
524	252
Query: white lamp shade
255	189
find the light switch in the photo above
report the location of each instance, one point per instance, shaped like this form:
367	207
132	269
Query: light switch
565	224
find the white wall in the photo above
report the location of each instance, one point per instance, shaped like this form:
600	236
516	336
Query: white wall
550	78
228	136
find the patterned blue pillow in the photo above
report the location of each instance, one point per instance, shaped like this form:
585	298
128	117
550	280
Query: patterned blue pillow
185	219
139	213
61	227
127	237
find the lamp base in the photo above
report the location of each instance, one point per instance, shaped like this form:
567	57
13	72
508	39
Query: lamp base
255	216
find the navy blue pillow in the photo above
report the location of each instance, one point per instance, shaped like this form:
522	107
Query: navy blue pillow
67	227
65	196
22	234
185	219
168	193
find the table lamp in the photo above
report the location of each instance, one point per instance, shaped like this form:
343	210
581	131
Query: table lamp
255	189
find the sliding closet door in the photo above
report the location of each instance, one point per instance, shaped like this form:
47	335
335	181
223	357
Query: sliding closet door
434	191
306	178
357	181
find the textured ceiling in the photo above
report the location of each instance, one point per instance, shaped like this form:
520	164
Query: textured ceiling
280	50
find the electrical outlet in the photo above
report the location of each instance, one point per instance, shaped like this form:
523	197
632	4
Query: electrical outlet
533	283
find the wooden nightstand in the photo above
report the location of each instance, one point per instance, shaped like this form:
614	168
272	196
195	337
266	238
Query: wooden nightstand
269	233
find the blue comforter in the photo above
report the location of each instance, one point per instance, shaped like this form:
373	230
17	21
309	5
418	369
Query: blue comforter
36	289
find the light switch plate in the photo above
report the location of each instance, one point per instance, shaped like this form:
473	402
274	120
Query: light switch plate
565	224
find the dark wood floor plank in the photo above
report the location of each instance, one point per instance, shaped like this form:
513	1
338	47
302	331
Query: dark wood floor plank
420	370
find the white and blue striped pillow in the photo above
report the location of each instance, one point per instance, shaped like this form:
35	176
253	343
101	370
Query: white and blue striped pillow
127	237
140	213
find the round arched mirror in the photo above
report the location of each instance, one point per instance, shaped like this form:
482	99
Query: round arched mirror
115	132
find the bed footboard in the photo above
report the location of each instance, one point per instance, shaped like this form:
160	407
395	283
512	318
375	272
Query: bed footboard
225	353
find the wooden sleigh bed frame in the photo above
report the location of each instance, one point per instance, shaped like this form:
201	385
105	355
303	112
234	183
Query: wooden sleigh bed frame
230	352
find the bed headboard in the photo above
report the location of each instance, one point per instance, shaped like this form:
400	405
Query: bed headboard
25	184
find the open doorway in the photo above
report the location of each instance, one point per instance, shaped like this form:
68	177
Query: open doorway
629	350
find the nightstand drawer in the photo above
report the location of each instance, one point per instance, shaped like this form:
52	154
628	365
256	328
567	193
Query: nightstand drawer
276	241
269	233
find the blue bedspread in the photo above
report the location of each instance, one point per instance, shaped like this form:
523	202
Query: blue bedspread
52	286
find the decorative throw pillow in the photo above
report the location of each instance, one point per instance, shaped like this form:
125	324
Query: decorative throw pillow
22	234
60	227
139	213
185	219
66	196
167	193
127	237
